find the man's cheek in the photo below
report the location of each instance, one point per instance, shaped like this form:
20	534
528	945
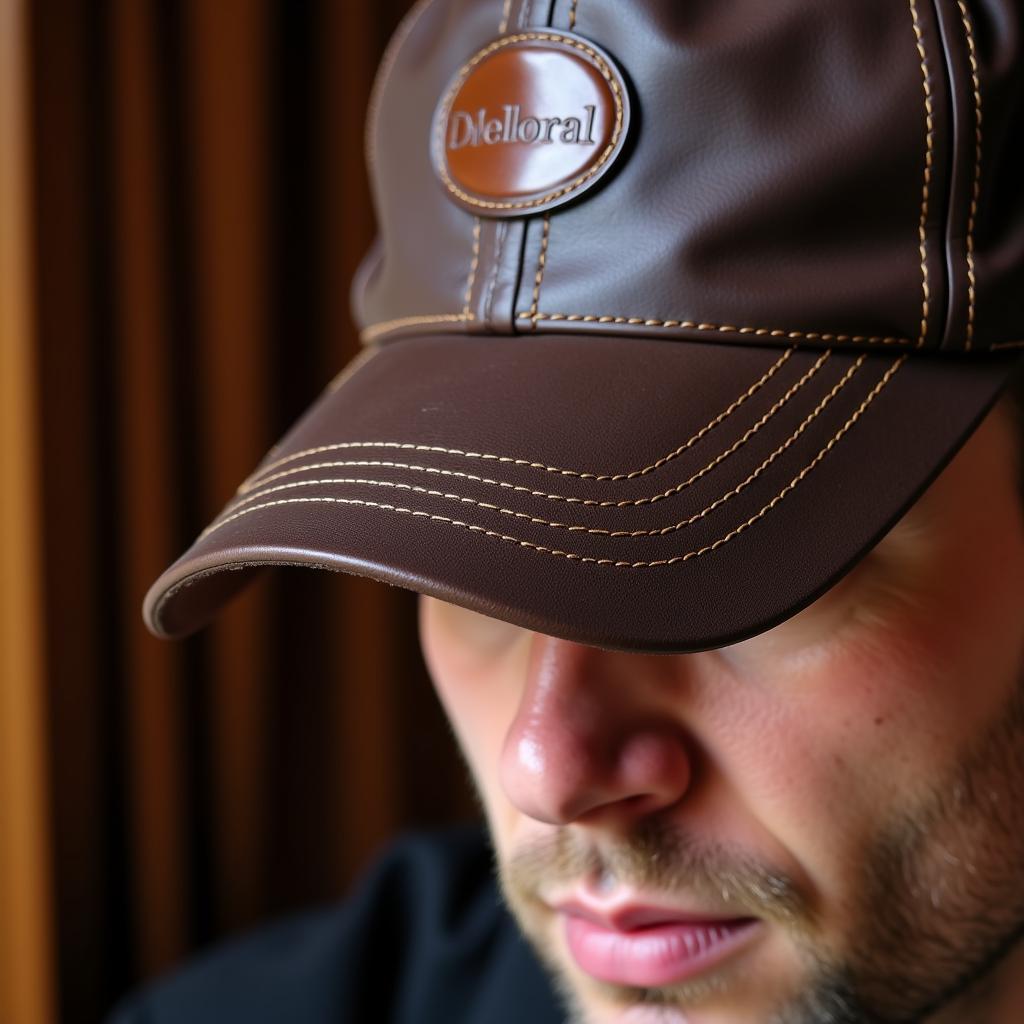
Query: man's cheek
819	769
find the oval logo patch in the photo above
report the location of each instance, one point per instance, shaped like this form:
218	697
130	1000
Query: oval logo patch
531	121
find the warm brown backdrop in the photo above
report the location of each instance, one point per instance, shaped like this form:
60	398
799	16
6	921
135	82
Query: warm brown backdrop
194	204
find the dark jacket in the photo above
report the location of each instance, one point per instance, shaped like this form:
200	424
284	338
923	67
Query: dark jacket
425	939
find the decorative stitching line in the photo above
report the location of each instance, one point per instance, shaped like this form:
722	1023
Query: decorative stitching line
579	528
1007	344
492	284
639	321
467	313
255	491
586	559
525	204
376	330
929	141
976	189
253	481
542	260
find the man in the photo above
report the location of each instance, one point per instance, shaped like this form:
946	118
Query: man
684	338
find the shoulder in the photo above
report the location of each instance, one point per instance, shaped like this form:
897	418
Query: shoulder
423	938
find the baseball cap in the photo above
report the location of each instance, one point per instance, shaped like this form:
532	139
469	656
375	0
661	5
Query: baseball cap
674	310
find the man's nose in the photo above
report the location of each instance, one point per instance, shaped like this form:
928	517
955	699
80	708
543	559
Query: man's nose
593	738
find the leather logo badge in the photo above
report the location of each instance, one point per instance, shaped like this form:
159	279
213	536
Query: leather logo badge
530	122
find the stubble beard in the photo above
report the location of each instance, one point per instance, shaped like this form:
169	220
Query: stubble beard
941	898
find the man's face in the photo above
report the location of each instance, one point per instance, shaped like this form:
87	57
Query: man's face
820	824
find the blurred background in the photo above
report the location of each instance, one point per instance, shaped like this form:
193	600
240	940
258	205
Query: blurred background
182	205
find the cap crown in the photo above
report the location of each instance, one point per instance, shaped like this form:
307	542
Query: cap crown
823	172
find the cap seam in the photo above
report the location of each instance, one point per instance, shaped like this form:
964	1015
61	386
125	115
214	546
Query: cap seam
976	185
374	331
542	260
922	226
638	321
467	312
501	238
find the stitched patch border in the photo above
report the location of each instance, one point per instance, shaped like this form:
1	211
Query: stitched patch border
564	192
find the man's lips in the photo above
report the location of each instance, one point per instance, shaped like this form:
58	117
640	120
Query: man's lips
646	945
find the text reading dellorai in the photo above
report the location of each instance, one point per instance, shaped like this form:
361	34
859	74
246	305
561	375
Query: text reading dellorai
465	129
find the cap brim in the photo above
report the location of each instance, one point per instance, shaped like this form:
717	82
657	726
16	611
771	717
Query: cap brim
622	492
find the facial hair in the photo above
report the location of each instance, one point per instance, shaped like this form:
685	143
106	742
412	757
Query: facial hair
940	896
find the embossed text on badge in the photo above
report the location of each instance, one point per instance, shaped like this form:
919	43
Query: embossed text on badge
529	122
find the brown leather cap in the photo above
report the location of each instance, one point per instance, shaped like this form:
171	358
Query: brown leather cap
675	309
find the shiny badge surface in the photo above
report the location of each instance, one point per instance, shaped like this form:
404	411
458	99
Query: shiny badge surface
531	121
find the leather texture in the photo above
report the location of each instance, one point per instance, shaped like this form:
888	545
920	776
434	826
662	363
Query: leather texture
671	412
824	172
688	498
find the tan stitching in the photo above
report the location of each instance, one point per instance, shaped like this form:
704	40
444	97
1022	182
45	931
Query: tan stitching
976	188
929	143
505	10
587	559
572	14
542	260
772	332
260	473
526	204
1007	344
376	330
578	528
256	490
492	284
467	313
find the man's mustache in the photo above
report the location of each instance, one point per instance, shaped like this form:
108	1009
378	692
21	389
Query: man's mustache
657	858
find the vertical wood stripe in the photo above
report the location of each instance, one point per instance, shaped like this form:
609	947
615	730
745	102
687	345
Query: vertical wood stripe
146	444
365	766
77	733
226	44
26	968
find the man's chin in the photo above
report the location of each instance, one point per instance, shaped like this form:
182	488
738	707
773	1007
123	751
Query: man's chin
630	1015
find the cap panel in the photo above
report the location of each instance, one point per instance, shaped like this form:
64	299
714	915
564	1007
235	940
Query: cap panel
785	196
995	138
428	248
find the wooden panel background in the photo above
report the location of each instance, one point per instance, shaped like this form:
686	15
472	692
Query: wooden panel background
198	206
26	926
